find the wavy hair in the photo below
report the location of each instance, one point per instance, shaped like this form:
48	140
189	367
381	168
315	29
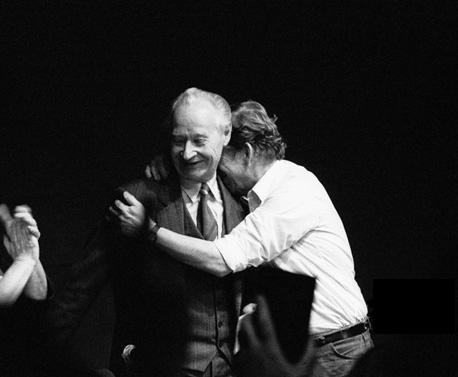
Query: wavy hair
251	124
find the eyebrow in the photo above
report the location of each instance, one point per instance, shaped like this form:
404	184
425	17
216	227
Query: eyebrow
192	135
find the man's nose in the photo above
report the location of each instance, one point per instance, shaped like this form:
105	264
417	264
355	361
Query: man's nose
188	151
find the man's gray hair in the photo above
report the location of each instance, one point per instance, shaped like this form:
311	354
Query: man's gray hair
219	103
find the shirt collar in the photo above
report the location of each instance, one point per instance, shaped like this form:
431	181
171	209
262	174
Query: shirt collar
192	192
262	188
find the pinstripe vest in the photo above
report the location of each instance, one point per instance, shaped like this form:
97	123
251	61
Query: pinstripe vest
213	303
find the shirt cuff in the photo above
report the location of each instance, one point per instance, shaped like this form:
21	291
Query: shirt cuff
232	253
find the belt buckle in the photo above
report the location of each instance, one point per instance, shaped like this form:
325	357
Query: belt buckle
320	341
367	325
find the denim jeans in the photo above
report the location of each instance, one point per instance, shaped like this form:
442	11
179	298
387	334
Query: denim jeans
336	359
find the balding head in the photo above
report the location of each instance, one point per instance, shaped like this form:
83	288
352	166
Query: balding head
195	96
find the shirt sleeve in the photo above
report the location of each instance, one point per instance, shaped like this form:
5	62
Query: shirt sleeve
281	220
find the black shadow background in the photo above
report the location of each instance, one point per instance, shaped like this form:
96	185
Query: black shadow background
363	92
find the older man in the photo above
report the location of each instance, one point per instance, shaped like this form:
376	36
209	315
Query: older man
293	226
173	296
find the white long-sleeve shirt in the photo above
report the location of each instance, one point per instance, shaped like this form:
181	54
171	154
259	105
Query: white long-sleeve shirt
294	226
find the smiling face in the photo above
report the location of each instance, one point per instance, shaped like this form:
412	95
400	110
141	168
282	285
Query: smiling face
198	138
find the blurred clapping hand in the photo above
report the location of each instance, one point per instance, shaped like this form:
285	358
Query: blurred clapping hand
21	238
26	274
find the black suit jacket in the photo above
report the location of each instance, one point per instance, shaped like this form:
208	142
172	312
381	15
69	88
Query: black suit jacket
147	287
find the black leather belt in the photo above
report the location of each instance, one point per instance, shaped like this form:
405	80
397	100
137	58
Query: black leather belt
343	334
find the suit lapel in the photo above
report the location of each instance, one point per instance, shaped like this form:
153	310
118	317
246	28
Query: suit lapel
233	212
172	215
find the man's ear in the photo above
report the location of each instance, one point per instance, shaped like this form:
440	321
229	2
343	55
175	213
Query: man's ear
249	153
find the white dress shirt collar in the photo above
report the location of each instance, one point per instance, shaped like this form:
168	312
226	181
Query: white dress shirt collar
262	188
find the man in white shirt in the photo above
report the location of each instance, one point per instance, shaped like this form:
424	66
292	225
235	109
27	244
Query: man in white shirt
292	226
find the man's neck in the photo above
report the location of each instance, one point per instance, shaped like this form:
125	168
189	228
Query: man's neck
189	183
260	168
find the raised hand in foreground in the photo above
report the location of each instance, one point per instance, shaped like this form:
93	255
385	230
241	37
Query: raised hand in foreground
260	354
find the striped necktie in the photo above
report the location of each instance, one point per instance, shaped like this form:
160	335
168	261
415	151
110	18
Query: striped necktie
206	222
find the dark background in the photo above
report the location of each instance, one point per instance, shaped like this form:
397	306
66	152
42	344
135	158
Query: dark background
363	92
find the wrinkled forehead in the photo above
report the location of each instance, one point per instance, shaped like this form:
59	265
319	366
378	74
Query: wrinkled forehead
195	131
